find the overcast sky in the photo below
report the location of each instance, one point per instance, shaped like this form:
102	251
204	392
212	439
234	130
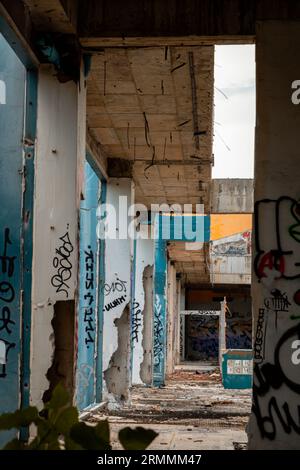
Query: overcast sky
235	115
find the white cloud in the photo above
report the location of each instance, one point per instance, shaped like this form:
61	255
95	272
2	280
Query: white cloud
234	117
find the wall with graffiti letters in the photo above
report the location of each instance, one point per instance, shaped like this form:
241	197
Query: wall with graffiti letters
11	164
239	323
275	418
202	332
116	287
55	217
143	258
87	318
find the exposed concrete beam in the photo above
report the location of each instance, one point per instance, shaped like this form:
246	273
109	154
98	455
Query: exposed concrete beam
56	16
153	22
119	168
17	16
96	152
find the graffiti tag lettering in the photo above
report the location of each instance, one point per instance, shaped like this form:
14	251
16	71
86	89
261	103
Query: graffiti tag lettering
62	263
7	295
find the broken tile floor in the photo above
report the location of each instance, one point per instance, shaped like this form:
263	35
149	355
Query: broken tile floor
193	411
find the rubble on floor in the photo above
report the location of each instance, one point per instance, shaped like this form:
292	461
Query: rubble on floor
193	411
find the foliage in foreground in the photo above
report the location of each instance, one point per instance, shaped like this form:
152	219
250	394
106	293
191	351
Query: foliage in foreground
58	428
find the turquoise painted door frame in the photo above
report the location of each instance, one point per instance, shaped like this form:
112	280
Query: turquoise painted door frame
90	305
193	228
18	104
87	315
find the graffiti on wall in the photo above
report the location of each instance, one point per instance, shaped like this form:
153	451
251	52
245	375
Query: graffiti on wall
268	376
239	333
236	245
7	296
62	264
259	342
115	287
203	337
158	347
279	254
89	318
277	259
136	321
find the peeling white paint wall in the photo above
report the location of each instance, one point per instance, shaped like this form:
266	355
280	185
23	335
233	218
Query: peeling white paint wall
117	273
55	217
144	258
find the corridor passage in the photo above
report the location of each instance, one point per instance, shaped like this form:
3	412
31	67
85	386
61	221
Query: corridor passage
193	411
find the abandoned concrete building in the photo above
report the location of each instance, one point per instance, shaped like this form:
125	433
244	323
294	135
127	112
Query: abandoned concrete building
109	104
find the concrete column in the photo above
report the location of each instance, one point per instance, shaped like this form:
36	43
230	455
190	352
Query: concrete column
116	289
275	422
177	322
143	261
171	318
55	245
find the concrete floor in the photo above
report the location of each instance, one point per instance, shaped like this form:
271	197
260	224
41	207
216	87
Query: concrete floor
193	411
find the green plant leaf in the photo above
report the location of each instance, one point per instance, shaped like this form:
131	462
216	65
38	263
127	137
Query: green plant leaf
102	430
59	399
136	439
66	419
71	445
87	437
19	418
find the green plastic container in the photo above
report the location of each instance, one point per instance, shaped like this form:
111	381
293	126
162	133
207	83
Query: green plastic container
237	368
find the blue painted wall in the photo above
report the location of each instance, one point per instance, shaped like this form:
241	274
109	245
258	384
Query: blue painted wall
12	99
87	314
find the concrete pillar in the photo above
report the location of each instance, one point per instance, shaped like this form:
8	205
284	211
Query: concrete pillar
55	245
143	260
116	288
171	318
177	323
275	422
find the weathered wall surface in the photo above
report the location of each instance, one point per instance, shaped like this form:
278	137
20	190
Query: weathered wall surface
12	99
116	290
239	323
274	421
143	259
202	337
231	195
147	342
230	259
171	317
55	218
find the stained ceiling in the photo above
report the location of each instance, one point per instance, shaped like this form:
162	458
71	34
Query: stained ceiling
153	107
191	260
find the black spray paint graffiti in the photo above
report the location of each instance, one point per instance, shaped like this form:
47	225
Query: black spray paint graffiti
158	333
117	286
278	302
277	257
7	295
89	296
259	342
62	263
272	376
136	321
114	303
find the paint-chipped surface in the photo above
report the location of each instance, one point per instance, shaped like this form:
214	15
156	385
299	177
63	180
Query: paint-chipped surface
193	411
55	218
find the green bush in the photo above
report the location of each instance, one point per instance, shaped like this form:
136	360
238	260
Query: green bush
58	428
